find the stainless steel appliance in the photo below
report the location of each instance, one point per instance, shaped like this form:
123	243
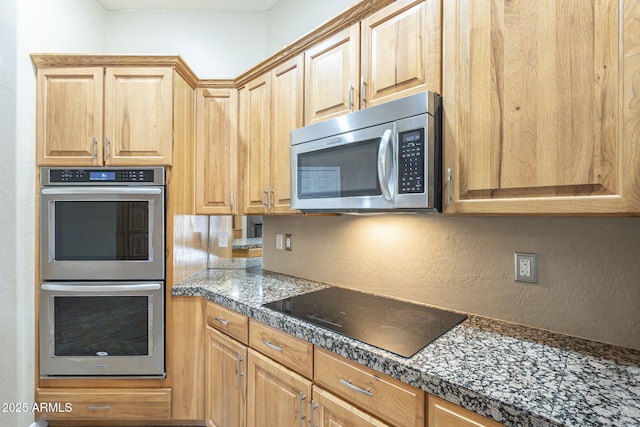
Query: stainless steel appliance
102	251
102	224
383	158
102	328
397	326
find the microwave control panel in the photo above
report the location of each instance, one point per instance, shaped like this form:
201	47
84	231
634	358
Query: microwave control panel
140	176
411	148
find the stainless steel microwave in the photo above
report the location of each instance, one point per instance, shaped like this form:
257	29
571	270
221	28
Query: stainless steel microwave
383	158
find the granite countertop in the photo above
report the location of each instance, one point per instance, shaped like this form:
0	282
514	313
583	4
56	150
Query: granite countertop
247	243
516	375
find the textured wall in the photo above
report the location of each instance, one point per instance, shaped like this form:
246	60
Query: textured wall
589	267
9	331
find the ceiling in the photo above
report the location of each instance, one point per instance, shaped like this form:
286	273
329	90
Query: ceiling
217	5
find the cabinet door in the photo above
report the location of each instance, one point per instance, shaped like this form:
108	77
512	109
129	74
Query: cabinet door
446	414
69	116
539	115
332	76
226	385
138	116
216	145
286	115
401	51
331	411
276	396
255	124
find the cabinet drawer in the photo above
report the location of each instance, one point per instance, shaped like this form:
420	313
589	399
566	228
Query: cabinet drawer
445	414
387	398
286	349
228	321
104	404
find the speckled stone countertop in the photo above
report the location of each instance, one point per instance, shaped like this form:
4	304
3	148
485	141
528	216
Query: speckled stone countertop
248	243
516	375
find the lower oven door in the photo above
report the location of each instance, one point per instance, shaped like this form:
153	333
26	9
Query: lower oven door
102	329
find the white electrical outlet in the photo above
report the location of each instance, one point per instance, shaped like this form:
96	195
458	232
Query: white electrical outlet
279	242
526	267
288	242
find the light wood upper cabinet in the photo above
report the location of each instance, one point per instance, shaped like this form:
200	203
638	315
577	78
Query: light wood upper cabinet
138	121
226	381
105	116
270	107
401	52
541	107
254	142
332	76
216	151
392	53
69	116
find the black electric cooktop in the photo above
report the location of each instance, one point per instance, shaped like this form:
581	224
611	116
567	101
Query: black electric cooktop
400	327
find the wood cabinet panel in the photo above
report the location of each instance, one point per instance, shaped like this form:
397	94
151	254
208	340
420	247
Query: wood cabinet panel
138	115
332	76
446	414
232	323
216	151
331	411
276	396
387	398
106	404
534	107
282	347
401	52
226	381
270	108
69	116
255	116
286	115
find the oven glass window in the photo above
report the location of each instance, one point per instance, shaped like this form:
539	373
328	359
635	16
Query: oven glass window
102	326
101	230
345	171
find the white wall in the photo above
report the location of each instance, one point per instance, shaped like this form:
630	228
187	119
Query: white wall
214	44
27	26
288	20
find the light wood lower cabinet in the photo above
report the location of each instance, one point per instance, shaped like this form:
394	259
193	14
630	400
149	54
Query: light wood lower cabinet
331	411
446	414
276	396
382	396
104	404
226	384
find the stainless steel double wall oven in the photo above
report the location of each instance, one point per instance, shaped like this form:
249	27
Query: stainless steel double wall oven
102	251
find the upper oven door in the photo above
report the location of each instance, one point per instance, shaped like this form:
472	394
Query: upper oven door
102	233
350	171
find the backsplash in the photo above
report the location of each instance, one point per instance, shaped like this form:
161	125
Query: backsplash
588	267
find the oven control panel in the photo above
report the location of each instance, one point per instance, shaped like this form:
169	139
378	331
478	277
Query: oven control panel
140	176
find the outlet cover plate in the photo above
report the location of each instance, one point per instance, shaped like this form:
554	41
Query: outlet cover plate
526	267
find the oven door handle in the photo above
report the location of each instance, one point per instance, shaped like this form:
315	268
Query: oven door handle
102	190
101	288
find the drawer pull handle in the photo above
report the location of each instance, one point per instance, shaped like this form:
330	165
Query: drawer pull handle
222	321
99	408
272	346
358	389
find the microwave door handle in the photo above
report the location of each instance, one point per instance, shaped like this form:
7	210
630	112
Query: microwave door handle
101	288
385	161
102	190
